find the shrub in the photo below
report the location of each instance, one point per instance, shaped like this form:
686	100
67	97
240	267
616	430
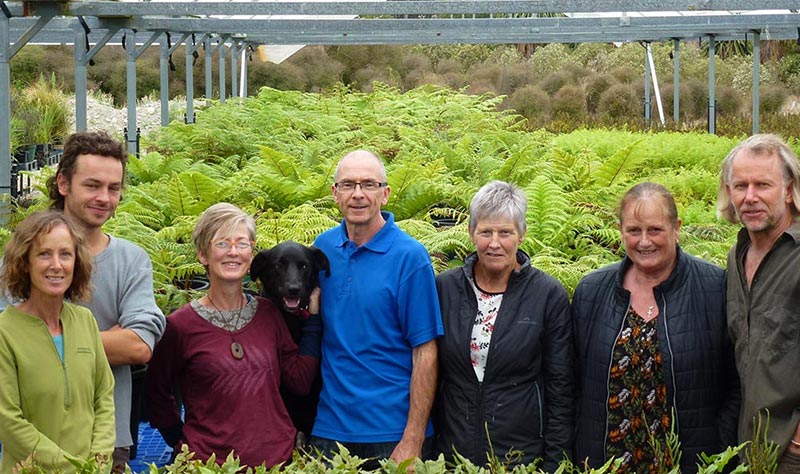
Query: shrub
552	83
448	65
25	66
284	76
414	62
320	70
513	76
551	58
729	101
484	74
595	85
772	98
531	102
592	55
696	103
365	77
618	102
420	78
569	103
466	55
626	74
43	109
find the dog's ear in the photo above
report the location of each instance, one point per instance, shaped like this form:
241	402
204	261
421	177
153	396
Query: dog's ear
258	266
320	261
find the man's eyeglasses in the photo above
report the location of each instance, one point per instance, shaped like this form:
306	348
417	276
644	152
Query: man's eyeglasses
241	245
347	186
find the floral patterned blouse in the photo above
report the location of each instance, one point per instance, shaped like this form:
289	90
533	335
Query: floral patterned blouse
637	402
488	306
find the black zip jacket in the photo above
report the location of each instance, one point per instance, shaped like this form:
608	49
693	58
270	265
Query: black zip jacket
697	356
526	400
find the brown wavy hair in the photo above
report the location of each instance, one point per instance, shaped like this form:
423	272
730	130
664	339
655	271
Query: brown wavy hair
15	277
83	143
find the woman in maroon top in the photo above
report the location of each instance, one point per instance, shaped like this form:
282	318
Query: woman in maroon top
228	353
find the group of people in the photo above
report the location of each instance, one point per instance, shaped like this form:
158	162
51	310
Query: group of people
490	357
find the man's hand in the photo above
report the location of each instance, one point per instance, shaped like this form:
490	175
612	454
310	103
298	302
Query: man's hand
407	449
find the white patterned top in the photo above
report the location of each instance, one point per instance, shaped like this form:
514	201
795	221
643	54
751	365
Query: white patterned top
488	306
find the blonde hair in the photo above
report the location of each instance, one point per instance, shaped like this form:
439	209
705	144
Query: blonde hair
221	219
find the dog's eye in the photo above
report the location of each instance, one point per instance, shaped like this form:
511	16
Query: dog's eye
304	266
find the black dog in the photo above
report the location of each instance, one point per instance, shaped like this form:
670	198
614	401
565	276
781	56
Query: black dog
288	273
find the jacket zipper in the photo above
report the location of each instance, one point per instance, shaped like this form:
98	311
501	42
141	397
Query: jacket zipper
541	409
67	398
608	380
671	363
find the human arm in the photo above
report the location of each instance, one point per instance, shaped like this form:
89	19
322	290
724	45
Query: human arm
19	436
731	396
558	367
300	363
423	388
123	304
163	371
103	430
124	347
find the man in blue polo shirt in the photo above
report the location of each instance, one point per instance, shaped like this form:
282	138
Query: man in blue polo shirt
381	319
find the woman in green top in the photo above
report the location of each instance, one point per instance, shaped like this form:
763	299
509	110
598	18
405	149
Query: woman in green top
56	387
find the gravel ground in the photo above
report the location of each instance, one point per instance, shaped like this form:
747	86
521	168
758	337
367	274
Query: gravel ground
102	115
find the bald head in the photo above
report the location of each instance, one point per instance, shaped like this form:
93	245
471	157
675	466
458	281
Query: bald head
359	157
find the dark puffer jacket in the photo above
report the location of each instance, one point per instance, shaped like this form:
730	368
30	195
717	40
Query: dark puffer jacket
697	356
526	400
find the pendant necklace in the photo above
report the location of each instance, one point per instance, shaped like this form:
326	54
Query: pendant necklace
237	351
650	312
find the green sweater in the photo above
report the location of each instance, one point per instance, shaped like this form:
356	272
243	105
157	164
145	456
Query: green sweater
48	407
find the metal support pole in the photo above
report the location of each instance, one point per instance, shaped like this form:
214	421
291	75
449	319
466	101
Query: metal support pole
209	77
81	47
190	49
647	73
5	111
234	69
130	54
676	81
222	70
163	62
756	80
243	80
712	100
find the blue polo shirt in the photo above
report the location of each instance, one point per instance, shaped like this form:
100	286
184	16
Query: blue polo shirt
378	303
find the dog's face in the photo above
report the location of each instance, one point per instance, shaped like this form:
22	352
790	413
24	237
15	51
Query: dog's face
288	273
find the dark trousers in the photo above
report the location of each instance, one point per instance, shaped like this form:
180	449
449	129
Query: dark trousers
373	452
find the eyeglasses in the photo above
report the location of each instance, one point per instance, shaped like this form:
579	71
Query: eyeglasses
241	245
347	186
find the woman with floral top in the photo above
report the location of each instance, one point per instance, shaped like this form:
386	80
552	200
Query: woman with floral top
653	350
506	358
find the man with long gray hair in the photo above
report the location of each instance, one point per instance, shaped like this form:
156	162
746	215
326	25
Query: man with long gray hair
759	187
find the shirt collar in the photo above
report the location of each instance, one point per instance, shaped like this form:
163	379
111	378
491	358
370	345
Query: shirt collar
379	242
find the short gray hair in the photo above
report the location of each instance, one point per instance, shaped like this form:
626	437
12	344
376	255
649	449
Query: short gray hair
499	199
763	144
220	219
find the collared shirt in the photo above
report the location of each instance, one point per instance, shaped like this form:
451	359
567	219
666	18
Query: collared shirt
764	322
378	303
